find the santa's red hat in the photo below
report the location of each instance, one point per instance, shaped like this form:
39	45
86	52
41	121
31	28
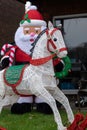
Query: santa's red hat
32	16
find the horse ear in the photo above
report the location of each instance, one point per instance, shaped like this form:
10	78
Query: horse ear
50	25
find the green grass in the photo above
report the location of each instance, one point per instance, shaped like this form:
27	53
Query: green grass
29	121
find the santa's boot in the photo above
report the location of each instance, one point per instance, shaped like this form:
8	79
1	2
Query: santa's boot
23	105
74	126
42	106
83	124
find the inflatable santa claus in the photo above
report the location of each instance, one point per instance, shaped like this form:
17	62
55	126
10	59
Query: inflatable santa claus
30	27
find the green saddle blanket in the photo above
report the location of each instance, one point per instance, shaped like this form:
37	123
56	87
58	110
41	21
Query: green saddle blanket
14	74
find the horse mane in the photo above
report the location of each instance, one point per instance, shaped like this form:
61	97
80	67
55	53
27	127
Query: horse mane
36	40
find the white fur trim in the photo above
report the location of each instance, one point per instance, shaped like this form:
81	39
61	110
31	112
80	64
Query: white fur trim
34	23
39	100
25	99
33	7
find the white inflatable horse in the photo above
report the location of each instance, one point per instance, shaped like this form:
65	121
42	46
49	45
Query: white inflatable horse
38	78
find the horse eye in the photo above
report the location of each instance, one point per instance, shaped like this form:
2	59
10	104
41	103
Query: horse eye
55	39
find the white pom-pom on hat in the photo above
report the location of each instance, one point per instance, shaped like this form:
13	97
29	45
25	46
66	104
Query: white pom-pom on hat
28	7
33	7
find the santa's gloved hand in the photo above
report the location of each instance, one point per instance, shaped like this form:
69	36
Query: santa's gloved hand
4	62
59	67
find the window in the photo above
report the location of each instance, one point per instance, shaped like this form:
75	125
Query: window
74	29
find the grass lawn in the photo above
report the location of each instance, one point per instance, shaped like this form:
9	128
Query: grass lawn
29	121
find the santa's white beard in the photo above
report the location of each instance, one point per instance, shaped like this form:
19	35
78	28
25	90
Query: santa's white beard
23	41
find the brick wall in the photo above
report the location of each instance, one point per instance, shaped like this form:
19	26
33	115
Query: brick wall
61	7
11	12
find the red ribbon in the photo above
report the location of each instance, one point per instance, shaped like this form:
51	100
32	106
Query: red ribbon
41	61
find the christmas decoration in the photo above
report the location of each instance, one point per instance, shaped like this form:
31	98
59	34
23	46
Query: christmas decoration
39	79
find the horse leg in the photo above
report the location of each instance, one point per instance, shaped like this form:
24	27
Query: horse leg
13	99
42	93
7	100
60	97
2	87
1	106
2	90
3	102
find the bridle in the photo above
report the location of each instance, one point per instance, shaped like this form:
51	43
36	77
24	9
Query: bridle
50	41
41	61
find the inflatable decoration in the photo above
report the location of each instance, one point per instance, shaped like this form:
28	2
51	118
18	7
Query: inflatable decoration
38	79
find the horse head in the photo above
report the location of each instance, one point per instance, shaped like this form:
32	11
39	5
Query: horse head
55	41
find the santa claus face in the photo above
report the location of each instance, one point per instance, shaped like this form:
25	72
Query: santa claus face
32	31
25	37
